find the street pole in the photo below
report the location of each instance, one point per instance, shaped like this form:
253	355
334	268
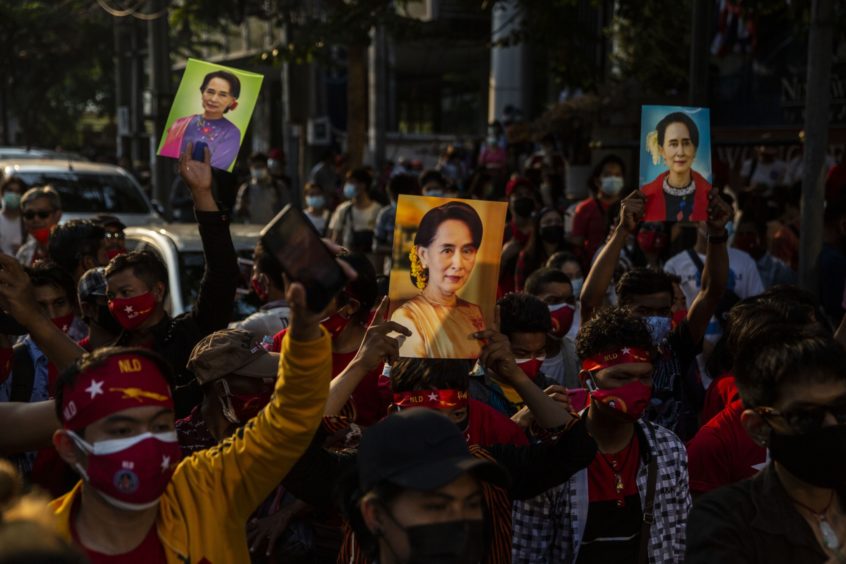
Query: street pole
160	86
817	102
377	99
699	53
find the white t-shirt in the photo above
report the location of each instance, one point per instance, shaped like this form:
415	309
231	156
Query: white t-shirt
319	221
744	279
563	368
362	219
10	234
766	174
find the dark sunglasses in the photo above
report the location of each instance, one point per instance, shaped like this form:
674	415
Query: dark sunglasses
42	214
807	419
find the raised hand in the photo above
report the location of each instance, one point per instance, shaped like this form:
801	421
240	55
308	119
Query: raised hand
632	209
719	213
377	347
16	291
496	353
198	176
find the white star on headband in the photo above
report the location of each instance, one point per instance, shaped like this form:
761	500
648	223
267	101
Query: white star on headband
626	350
165	463
433	396
95	389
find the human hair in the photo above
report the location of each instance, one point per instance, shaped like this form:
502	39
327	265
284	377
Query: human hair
234	82
312	186
523	313
402	184
71	241
413	374
536	283
432	220
92	360
534	255
350	494
258	159
432	175
642	281
362	175
267	264
10	181
363	288
677	117
48	273
783	355
610	329
557	260
47	192
145	265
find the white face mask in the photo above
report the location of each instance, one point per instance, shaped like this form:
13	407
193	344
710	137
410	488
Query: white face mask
612	185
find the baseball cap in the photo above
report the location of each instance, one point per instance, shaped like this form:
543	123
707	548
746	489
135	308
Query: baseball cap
231	351
419	449
92	284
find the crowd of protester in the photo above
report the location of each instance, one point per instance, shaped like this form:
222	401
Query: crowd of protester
647	392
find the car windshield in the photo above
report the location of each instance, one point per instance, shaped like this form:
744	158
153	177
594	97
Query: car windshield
91	193
192	264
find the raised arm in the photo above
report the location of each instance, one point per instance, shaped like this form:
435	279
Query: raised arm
17	299
213	309
716	269
33	424
602	271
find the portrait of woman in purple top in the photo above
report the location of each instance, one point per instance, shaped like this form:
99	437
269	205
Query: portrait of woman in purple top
219	91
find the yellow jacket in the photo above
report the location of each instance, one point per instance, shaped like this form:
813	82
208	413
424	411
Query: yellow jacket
204	510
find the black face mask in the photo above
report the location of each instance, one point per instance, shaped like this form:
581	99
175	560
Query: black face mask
552	234
817	457
106	320
523	207
458	542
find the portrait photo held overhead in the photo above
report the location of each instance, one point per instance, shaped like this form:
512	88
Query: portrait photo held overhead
213	105
675	162
445	267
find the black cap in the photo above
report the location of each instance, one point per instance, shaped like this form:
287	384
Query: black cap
419	449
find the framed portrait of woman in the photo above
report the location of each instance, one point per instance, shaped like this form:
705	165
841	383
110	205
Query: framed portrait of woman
213	105
675	163
445	270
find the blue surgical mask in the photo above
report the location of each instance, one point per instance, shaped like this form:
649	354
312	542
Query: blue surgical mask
612	185
11	200
350	191
659	327
315	201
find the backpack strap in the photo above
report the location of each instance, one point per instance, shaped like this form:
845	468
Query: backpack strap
23	374
696	260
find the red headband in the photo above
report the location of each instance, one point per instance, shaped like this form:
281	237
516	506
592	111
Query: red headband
122	381
438	399
613	358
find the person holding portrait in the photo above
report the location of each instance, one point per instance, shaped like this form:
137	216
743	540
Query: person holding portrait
442	260
219	92
680	193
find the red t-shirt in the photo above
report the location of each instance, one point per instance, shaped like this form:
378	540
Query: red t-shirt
722	452
150	551
719	394
487	427
602	482
590	222
370	398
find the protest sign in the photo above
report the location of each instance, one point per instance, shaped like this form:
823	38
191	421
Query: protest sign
446	266
213	105
675	162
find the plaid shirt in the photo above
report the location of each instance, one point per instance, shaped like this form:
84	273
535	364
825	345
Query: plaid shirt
549	528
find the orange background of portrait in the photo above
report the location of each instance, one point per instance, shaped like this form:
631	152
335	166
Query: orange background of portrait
481	288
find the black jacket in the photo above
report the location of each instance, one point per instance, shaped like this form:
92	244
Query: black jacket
175	338
750	521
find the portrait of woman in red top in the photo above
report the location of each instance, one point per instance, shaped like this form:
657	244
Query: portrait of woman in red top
680	193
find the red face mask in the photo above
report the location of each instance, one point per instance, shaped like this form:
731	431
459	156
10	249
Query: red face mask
651	242
114	252
562	318
63	322
258	289
335	323
131	473
41	235
531	366
247	406
132	312
629	400
678	317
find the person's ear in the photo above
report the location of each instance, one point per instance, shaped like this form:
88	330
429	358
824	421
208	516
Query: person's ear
67	449
159	291
423	255
371	515
756	426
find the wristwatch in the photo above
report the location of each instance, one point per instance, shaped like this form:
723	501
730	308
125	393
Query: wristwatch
718	239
